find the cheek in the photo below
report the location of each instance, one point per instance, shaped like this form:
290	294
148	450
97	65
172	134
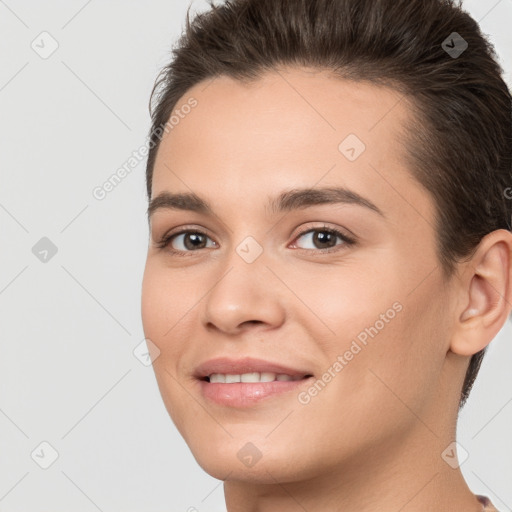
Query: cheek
344	303
165	303
387	336
163	309
155	304
403	357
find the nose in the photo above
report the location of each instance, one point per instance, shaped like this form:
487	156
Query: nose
245	295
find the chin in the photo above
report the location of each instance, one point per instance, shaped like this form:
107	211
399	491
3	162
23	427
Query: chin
245	460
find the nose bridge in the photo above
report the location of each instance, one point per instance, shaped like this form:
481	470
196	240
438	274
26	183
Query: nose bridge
241	292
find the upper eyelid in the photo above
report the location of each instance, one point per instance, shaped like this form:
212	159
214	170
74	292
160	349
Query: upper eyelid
303	231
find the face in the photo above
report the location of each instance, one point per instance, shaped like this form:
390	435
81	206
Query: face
348	291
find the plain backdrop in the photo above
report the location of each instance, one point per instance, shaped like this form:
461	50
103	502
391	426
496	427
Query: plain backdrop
75	79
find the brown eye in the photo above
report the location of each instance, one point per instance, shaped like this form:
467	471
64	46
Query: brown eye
186	241
323	238
193	241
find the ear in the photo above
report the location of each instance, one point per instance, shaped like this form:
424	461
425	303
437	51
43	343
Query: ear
485	290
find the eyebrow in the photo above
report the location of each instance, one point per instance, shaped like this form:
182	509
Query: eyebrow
289	200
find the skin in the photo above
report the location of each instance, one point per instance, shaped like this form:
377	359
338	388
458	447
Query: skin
372	438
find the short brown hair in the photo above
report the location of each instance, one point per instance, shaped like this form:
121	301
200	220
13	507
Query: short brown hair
460	145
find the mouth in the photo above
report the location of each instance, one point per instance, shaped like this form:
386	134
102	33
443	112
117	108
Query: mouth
252	377
248	369
246	382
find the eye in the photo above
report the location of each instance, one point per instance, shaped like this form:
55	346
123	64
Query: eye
323	238
185	241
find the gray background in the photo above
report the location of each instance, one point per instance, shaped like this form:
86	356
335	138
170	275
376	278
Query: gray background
68	374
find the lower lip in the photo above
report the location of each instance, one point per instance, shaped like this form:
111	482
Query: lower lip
247	394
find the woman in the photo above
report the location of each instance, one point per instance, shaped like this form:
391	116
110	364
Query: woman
330	248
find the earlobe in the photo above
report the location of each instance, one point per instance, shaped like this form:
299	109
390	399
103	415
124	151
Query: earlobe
486	294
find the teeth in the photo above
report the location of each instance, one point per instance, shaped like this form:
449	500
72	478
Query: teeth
250	377
217	377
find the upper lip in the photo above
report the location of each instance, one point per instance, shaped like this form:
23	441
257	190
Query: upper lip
226	365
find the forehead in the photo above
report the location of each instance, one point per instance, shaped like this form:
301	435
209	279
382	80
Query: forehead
284	110
292	127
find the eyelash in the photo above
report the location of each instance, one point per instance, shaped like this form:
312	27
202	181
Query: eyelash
347	241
